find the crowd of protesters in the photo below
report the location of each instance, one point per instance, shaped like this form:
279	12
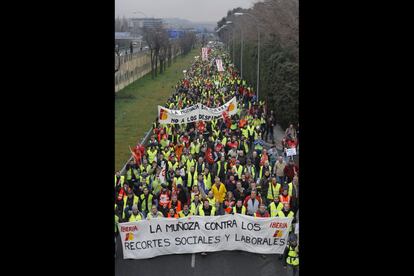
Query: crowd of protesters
211	168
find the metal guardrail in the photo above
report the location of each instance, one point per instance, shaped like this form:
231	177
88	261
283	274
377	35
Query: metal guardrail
143	142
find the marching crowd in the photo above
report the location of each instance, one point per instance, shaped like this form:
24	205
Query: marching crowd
212	168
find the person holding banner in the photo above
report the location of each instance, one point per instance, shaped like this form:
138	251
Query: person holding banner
262	212
172	213
285	198
239	208
196	204
287	213
275	207
252	203
136	215
185	212
129	201
206	209
219	191
164	200
154	213
175	203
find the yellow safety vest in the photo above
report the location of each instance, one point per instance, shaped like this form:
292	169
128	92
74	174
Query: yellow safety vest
273	191
245	132
197	165
178	180
224	141
261	170
151	155
219	167
251	130
290	191
191	179
274	210
197	148
194	209
133	217
201	211
239	171
190	164
144	204
129	173
253	173
280	214
192	148
147	169
293	256
207	181
121	181
170	165
243	210
182	215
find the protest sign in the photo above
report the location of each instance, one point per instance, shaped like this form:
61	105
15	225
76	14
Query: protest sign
291	152
196	112
162	236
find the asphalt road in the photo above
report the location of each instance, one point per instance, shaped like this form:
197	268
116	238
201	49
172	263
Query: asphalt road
237	263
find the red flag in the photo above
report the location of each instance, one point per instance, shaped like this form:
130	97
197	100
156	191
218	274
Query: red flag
264	159
136	155
209	156
226	118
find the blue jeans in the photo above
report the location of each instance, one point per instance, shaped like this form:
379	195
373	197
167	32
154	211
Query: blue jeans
220	210
292	270
280	179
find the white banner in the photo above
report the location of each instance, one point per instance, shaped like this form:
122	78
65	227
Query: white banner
170	116
230	106
194	113
204	53
162	236
291	152
219	64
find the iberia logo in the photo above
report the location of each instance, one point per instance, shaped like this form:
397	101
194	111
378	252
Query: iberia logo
278	234
231	107
163	114
129	236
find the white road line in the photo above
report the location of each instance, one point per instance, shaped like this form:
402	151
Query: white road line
193	260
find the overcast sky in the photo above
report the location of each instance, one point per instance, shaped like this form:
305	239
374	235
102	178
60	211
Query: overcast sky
194	10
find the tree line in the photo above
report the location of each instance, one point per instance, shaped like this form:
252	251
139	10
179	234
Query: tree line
277	21
162	48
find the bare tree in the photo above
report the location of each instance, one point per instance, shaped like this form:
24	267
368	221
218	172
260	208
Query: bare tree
157	40
187	42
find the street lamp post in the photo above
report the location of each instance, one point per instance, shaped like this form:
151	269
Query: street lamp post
258	51
230	23
241	54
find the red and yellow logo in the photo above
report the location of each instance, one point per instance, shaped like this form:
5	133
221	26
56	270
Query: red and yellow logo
163	114
129	236
231	107
278	234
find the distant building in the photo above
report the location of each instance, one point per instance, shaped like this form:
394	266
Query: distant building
124	39
139	23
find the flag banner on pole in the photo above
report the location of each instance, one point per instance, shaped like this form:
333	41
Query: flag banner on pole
162	236
196	112
204	54
219	64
